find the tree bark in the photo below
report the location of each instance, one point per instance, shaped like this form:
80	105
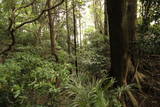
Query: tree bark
80	29
52	32
106	23
68	32
75	35
118	39
121	33
132	16
11	33
146	5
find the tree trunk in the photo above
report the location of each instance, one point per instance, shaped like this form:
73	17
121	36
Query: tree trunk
120	19
75	36
52	32
68	32
80	29
132	16
11	31
106	23
98	23
118	39
146	5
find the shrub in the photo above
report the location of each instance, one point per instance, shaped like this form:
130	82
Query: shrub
30	79
94	56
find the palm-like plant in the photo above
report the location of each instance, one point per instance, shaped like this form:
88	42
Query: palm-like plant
84	90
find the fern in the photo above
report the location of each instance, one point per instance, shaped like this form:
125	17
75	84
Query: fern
84	90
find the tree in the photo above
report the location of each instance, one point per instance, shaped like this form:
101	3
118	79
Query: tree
106	23
75	34
98	15
118	39
120	36
67	25
13	27
51	23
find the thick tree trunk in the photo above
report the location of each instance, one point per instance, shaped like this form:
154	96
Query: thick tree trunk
52	32
118	39
121	33
132	16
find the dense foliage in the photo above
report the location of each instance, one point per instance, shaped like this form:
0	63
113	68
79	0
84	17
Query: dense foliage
64	53
30	79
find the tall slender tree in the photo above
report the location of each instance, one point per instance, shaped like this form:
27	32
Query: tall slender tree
75	34
80	26
106	23
98	15
67	26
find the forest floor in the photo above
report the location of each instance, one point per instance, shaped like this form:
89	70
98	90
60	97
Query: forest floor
151	84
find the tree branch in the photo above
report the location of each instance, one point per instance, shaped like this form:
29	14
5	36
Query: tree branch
39	16
11	32
25	6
